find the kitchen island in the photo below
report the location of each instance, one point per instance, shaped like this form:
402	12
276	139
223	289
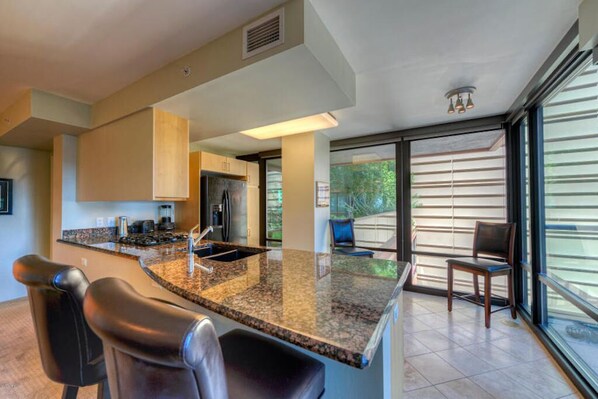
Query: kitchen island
345	311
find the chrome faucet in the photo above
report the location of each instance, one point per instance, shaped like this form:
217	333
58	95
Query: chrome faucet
192	243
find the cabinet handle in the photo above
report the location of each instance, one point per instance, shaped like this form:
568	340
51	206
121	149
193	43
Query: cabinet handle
224	166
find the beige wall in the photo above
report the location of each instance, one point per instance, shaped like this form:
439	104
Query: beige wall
305	159
27	230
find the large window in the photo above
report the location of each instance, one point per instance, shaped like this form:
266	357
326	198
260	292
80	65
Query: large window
363	187
273	201
570	146
455	180
525	228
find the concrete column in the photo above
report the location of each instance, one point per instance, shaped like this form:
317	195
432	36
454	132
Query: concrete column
305	160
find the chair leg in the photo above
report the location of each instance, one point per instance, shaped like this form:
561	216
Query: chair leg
450	287
476	287
487	298
69	392
103	390
511	295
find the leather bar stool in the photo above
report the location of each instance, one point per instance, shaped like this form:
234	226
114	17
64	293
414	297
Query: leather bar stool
71	353
154	350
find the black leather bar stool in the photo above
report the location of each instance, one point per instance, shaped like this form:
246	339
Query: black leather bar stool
154	350
71	353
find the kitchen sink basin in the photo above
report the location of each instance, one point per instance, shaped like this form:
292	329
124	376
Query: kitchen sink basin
226	253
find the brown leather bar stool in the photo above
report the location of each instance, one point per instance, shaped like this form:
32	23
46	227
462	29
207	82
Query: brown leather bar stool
154	350
497	241
71	353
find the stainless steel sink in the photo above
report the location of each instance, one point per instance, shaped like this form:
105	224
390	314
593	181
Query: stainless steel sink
226	253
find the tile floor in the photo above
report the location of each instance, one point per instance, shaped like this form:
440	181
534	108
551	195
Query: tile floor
452	355
447	356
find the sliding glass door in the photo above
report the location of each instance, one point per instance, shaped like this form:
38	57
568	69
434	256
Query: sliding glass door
274	202
455	180
363	186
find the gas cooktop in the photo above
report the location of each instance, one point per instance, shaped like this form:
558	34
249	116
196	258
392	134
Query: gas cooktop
148	240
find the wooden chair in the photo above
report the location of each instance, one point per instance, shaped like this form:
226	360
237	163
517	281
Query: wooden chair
495	240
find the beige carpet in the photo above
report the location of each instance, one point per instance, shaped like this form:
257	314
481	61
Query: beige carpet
21	373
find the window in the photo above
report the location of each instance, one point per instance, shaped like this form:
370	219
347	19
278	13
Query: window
570	145
455	180
525	239
363	187
273	201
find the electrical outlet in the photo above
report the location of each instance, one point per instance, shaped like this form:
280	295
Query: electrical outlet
99	222
110	222
84	262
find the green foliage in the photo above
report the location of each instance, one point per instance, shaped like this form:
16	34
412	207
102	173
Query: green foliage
363	189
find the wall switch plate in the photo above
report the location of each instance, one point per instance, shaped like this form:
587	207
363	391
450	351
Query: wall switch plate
84	262
99	222
110	222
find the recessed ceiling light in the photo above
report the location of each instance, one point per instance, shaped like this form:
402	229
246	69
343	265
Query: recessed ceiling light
295	126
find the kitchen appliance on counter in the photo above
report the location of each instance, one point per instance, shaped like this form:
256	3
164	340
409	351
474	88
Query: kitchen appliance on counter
123	226
166	222
224	206
142	227
151	239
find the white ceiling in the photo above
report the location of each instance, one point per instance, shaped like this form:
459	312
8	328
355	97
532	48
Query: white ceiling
408	53
87	50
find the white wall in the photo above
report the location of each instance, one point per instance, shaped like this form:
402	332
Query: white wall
27	230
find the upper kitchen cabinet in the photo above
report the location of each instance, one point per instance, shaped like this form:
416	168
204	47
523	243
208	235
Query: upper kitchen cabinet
142	157
253	174
221	164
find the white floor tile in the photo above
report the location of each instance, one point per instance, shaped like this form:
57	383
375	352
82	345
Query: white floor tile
424	393
538	382
413	379
412	347
502	387
412	325
463	389
492	355
434	368
525	349
435	341
465	362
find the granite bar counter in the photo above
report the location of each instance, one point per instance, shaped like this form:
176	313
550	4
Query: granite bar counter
338	307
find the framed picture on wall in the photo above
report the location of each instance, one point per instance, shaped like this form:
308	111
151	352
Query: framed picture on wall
322	194
5	196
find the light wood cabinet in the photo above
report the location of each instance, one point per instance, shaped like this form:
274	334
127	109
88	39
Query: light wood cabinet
253	174
221	164
187	212
142	157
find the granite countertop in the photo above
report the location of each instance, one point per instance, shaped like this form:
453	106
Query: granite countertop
333	305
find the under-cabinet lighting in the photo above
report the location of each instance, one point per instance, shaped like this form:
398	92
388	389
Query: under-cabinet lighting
301	125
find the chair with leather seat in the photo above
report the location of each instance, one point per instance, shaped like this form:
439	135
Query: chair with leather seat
71	353
343	239
496	242
154	350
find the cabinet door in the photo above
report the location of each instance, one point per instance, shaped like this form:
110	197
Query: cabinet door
213	163
171	156
236	167
253	174
253	216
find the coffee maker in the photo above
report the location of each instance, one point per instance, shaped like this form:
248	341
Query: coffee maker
165	222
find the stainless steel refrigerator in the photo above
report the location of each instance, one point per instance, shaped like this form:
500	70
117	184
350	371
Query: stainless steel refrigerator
224	206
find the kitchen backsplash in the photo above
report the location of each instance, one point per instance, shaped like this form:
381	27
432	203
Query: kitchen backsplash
91	235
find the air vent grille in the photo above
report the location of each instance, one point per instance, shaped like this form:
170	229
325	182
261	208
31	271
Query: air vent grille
263	34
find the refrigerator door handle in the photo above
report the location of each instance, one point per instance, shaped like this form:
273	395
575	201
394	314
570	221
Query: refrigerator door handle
228	214
224	216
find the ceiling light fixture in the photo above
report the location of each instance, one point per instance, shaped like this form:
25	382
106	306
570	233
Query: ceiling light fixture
459	93
295	126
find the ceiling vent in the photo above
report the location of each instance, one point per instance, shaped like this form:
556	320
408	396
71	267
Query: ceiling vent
263	34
